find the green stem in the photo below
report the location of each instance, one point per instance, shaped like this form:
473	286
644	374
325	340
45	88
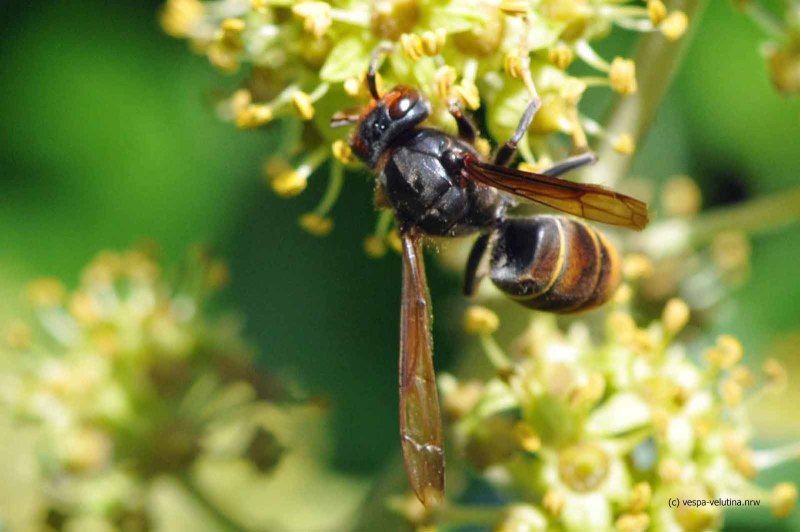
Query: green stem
335	182
495	353
226	523
766	20
754	217
657	59
454	515
772	457
673	237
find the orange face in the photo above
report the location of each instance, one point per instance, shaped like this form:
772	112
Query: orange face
382	121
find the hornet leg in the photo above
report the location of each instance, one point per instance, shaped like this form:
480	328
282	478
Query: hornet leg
571	163
466	129
506	152
471	274
377	54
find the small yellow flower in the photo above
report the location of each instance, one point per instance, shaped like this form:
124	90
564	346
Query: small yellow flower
583	467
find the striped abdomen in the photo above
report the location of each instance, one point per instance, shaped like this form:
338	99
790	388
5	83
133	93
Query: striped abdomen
554	263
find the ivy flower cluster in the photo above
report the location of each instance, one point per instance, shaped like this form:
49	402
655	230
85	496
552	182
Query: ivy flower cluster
579	435
126	379
306	60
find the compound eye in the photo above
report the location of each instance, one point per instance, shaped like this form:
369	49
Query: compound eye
401	105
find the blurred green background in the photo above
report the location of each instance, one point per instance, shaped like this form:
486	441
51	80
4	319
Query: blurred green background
108	137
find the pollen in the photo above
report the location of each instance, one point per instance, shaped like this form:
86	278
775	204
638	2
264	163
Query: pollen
681	196
622	326
18	335
674	26
622	76
633	522
480	320
445	79
514	8
783	499
624	144
657	11
553	502
669	471
374	246
731	392
412	45
675	316
433	41
637	266
179	16
527	438
230	36
561	56
776	374
731	349
342	152
45	292
393	239
289	183
253	116
302	104
352	87
315	224
640	497
513	65
468	94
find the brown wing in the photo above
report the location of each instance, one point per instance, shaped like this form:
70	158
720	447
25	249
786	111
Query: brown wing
420	423
592	202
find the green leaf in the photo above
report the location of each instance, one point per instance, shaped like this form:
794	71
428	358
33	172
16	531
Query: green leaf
348	58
